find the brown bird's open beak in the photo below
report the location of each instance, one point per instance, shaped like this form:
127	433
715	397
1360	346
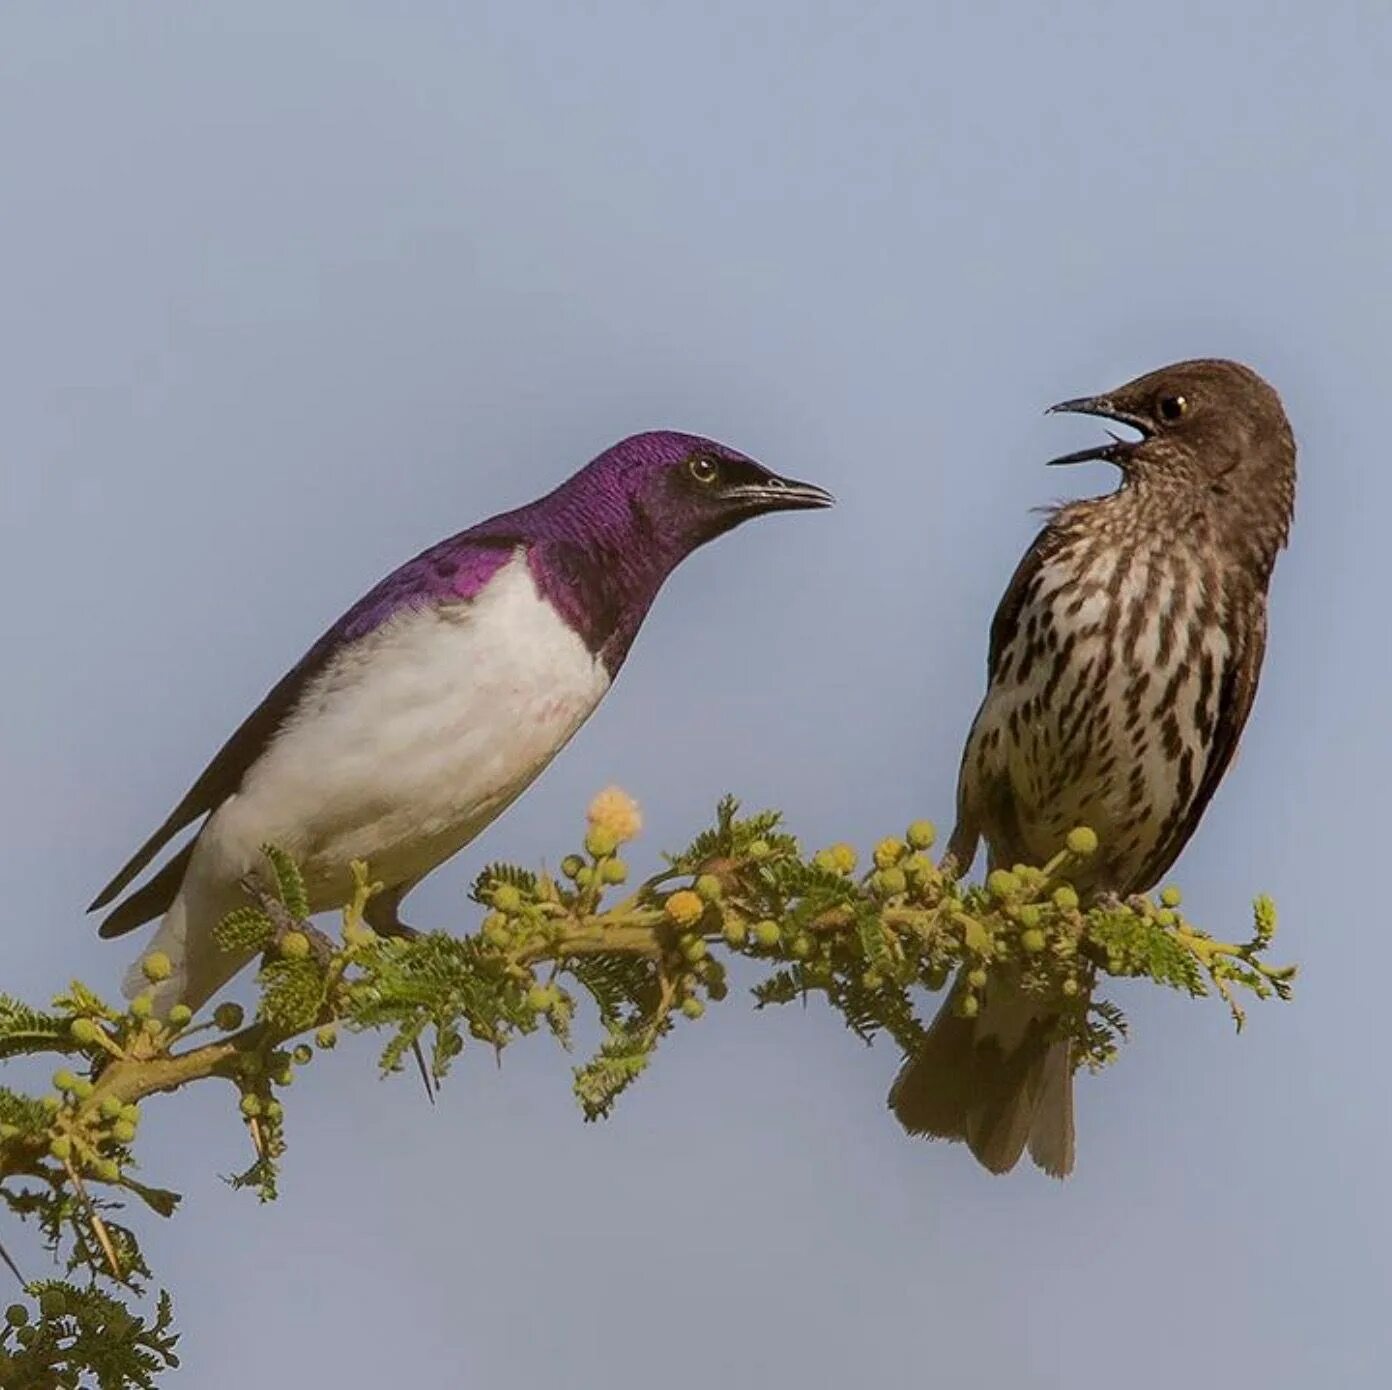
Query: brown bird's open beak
1119	448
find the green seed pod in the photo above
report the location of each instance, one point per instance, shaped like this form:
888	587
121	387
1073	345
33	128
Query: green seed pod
107	1169
110	1108
977	978
1082	841
156	967
64	1080
891	882
539	998
921	834
52	1303
601	841
180	1016
122	1132
228	1017
275	1111
302	1054
585	878
734	930
142	1006
496	931
968	1006
52	1103
693	1007
709	887
1029	915
60	1146
694	948
1166	918
16	1315
571	865
801	947
767	933
1171	896
251	1106
1070	987
83	1031
760	849
1002	884
507	899
918	866
1033	941
327	1037
846	858
1065	898
294	945
872	980
613	871
130	1114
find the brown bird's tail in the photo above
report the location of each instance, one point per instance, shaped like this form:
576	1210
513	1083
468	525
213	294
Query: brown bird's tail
997	1081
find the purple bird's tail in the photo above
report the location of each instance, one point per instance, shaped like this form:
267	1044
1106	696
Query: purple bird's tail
997	1082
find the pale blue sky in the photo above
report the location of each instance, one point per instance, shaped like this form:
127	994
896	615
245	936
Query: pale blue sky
288	292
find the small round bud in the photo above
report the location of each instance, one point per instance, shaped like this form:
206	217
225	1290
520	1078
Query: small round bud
585	878
302	1054
60	1146
1001	883
1082	841
283	1077
107	1169
294	945
83	1089
872	979
1166	918
571	865
613	871
968	1006
826	859
1070	987
64	1080
760	849
496	931
123	1132
767	933
600	840
693	1007
801	947
921	834
1029	915
540	998
156	967
130	1114
153	1027
684	908
694	949
1171	896
110	1108
275	1111
228	1017
709	888
327	1037
143	1005
845	858
83	1031
251	1106
51	1103
888	853
1066	898
180	1016
1033	941
734	930
889	882
16	1315
52	1303
977	978
918	865
507	898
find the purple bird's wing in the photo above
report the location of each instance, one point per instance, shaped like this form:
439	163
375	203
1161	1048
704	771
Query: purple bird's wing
452	571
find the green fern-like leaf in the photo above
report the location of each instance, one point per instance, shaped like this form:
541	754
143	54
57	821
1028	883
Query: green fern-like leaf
244	929
25	1030
290	884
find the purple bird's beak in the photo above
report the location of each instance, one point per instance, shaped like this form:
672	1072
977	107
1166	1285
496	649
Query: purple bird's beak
1119	448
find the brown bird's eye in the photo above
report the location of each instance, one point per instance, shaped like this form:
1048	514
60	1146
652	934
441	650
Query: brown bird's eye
703	469
1172	407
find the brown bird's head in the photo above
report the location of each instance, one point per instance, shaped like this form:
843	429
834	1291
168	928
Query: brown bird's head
1207	426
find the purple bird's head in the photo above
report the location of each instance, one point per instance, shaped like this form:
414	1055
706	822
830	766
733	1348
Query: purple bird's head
675	492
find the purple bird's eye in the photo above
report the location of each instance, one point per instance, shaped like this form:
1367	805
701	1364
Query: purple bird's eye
703	469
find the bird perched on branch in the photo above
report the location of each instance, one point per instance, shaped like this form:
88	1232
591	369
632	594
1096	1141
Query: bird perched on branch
1123	662
439	697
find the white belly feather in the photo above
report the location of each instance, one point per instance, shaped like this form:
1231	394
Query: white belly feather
398	753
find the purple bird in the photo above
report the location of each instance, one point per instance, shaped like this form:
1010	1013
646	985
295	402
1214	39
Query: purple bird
439	697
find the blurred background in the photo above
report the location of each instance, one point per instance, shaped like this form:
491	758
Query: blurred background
289	292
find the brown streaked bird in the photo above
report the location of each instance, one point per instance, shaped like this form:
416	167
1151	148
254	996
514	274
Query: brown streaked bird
1123	662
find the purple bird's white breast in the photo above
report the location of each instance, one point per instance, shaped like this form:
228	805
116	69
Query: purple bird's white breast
415	737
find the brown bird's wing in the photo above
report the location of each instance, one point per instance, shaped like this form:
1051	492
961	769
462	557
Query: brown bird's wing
983	801
1237	690
220	779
